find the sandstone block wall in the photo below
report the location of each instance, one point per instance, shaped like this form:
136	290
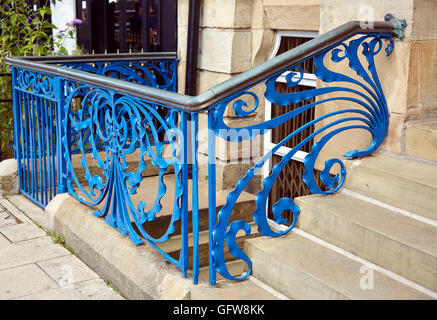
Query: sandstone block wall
408	76
236	35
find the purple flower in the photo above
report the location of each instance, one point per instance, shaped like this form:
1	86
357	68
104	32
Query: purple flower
29	20
74	22
5	6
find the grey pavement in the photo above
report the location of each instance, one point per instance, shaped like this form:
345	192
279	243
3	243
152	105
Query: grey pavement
34	267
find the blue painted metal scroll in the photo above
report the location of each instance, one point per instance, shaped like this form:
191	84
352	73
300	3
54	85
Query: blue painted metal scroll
77	136
157	73
369	113
40	104
110	127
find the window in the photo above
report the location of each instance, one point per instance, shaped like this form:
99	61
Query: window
289	183
127	25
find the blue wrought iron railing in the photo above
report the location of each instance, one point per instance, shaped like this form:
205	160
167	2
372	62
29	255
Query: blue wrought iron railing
78	121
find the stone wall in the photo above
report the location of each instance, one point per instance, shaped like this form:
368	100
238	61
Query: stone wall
422	86
408	76
236	35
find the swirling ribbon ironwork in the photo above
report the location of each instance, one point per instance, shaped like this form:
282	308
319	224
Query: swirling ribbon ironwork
373	117
117	125
153	73
36	82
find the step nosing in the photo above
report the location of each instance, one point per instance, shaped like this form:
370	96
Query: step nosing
335	259
312	275
422	220
394	211
406	165
404	177
374	228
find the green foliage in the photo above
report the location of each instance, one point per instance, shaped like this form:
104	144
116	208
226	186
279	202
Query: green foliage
60	240
6	132
24	32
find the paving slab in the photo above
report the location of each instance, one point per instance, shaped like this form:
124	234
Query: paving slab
30	251
25	210
22	231
138	272
6	219
33	267
4	241
24	280
95	289
67	270
19	215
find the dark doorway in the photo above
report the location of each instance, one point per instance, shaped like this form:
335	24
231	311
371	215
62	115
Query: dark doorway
127	25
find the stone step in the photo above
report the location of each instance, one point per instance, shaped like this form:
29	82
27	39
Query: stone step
301	268
231	290
421	140
131	159
402	183
249	289
381	236
148	191
173	246
235	267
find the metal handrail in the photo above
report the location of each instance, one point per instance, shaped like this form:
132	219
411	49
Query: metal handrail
127	112
207	98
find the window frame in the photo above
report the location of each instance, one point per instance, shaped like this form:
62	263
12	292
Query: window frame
308	79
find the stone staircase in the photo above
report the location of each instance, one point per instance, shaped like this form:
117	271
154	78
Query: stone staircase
376	239
421	140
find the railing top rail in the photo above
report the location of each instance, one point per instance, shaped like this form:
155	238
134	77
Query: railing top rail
103	57
243	80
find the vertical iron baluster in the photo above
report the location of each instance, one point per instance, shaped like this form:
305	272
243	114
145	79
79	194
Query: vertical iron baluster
29	141
174	74
38	145
211	196
33	149
22	141
52	150
25	144
195	197
184	215
50	163
60	133
23	182
33	139
44	147
28	145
